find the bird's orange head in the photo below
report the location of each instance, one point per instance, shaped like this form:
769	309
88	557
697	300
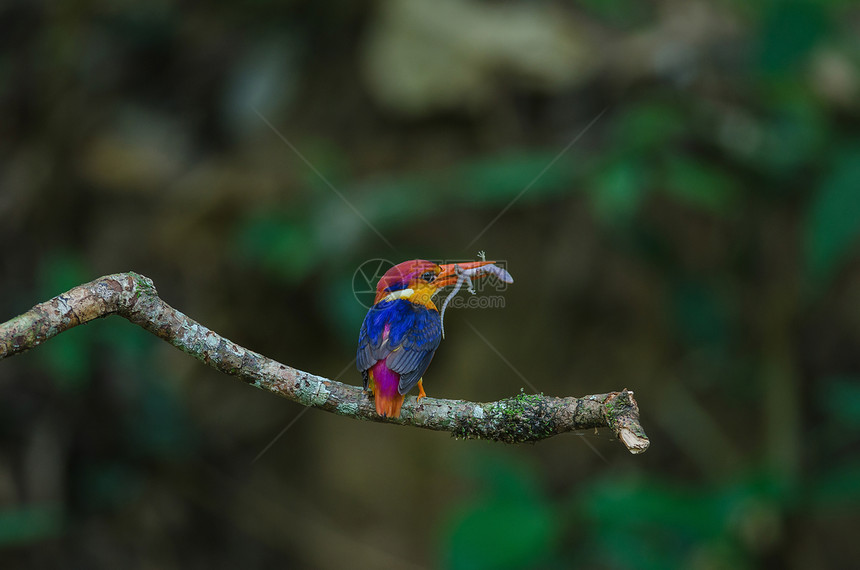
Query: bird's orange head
418	280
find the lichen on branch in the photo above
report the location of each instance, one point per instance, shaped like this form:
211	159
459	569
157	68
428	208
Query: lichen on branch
522	418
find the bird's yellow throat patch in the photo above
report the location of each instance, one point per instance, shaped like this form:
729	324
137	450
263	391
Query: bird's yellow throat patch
419	293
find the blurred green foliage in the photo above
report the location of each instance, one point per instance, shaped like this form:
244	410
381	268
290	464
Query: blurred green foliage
29	524
665	526
789	32
508	524
832	227
279	244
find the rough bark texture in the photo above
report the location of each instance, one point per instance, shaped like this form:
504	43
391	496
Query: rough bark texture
522	418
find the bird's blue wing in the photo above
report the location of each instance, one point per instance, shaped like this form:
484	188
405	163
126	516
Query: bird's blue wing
371	348
412	355
414	334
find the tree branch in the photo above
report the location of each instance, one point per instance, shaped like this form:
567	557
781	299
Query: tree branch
522	418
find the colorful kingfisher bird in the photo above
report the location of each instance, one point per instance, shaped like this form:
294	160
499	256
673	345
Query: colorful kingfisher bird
403	329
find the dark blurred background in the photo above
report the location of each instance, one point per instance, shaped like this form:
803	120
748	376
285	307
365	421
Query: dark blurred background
679	184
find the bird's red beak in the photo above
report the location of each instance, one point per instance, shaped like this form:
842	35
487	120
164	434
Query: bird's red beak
449	274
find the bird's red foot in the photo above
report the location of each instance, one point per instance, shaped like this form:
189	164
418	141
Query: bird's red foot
421	393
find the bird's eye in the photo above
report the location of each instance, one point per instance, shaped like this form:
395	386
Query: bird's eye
429	277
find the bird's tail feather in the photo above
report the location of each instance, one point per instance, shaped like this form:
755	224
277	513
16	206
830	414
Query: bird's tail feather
383	383
388	406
